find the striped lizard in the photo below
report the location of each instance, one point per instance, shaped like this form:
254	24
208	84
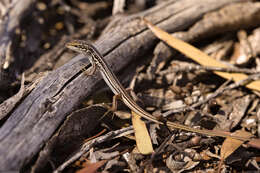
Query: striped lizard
97	61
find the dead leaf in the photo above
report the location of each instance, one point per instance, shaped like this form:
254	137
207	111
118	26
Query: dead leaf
143	140
199	56
180	166
230	145
69	137
254	143
92	168
240	106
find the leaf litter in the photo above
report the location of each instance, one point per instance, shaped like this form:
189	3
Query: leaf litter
184	87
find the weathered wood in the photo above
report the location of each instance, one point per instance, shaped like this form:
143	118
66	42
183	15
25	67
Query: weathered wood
17	10
41	113
230	18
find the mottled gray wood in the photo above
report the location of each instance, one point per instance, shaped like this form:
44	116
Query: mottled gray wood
40	114
16	11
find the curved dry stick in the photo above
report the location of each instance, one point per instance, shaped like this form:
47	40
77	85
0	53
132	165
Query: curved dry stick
40	114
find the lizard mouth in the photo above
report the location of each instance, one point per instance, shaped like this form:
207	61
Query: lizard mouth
72	46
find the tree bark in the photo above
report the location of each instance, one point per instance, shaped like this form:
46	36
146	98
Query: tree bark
16	12
34	121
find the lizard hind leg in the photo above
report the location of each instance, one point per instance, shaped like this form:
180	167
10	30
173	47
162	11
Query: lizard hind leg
113	108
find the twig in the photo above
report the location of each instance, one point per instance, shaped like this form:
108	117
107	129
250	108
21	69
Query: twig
194	67
118	6
160	149
94	142
215	94
122	132
127	40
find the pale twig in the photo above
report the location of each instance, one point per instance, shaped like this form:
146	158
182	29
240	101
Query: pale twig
118	6
90	144
194	67
215	94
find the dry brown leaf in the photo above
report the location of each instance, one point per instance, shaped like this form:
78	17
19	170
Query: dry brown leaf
143	140
255	143
230	145
199	56
92	168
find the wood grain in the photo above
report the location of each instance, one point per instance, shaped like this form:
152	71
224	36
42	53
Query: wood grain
34	121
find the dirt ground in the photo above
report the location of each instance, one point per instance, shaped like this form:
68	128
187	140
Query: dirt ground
57	117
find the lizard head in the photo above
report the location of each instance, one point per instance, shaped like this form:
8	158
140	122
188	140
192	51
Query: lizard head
79	46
